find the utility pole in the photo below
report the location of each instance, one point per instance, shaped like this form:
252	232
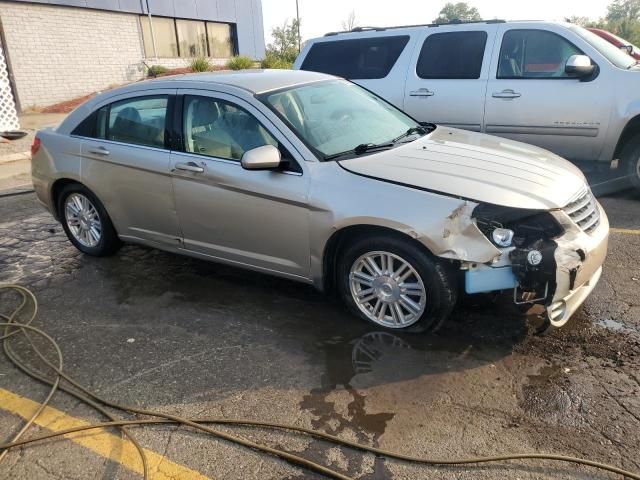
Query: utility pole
298	20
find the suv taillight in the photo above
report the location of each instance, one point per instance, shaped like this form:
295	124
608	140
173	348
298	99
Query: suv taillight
35	146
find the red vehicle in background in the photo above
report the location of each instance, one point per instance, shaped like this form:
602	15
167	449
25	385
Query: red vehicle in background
621	43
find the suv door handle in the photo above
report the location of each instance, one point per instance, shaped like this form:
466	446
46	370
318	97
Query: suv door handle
189	167
421	92
506	94
99	151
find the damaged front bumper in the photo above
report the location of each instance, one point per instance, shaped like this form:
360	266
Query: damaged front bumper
575	277
554	268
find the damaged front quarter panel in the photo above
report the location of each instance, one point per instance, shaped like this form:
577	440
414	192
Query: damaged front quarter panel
462	239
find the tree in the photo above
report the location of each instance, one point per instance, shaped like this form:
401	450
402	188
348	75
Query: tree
621	10
458	11
623	19
285	42
350	22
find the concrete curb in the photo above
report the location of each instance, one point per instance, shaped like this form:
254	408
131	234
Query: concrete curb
15	157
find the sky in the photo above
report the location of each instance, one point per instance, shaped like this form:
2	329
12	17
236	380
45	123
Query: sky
318	17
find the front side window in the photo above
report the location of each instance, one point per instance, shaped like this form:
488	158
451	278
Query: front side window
164	32
534	54
362	58
336	116
192	38
139	121
452	55
217	128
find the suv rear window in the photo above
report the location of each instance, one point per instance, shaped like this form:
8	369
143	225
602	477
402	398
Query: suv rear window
361	58
452	55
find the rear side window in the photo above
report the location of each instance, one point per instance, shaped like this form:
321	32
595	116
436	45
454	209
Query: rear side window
361	58
138	121
452	55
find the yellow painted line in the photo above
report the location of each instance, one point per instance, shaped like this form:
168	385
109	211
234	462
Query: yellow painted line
105	444
625	231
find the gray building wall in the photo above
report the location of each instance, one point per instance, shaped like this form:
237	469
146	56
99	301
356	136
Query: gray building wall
246	14
58	52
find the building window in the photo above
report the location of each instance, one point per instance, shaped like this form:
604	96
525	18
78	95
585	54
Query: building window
187	38
220	40
192	38
164	31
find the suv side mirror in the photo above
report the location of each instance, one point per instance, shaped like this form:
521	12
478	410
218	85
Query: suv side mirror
579	66
266	157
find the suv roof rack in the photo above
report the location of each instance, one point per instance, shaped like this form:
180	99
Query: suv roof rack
380	29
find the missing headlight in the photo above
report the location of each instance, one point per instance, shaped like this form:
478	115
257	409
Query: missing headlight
528	225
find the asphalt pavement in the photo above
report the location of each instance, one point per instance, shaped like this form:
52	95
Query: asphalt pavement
198	339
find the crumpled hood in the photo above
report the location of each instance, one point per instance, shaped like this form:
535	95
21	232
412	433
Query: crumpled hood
479	167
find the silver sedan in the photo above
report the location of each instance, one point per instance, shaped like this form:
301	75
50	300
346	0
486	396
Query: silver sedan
313	178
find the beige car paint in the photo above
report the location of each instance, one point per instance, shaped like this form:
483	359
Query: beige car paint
281	222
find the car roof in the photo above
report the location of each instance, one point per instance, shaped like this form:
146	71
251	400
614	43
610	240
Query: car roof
451	26
254	81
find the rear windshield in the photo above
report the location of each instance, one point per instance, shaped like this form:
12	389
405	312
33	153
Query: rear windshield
360	58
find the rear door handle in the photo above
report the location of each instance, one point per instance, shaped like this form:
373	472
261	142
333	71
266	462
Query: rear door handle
506	94
421	92
99	151
189	167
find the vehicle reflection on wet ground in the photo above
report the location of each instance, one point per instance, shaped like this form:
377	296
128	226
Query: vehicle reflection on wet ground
164	331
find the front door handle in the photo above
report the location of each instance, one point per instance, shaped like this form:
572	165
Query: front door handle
421	92
506	94
99	151
189	167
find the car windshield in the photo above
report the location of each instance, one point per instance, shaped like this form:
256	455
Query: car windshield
612	53
334	117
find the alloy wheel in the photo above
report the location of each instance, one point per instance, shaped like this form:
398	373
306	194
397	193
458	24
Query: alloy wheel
387	289
83	220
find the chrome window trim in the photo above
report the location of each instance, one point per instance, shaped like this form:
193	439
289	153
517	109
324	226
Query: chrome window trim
226	161
178	152
115	142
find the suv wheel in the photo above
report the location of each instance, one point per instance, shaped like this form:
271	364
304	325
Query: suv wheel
630	157
85	221
394	284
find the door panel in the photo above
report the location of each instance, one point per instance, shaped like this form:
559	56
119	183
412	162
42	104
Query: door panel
255	218
531	99
133	181
447	80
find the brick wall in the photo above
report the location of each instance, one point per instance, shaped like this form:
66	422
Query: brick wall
58	53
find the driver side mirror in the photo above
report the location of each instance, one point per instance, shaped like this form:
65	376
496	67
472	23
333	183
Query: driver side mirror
627	48
266	157
579	66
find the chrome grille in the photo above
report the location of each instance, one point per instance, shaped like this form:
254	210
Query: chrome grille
584	211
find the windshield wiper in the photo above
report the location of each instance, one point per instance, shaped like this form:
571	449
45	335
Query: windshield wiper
423	129
360	149
367	147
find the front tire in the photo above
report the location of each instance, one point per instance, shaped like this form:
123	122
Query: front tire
394	284
86	222
630	157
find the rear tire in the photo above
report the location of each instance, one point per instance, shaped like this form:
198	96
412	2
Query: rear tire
407	289
86	222
630	157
